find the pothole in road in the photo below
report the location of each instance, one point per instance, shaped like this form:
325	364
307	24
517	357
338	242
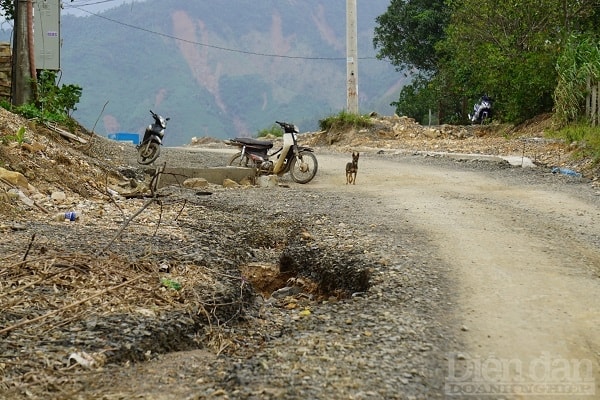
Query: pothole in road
310	270
266	278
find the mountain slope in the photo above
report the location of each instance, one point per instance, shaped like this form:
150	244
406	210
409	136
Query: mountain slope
222	68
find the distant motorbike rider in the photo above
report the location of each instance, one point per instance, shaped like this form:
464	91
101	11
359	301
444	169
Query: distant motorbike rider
482	110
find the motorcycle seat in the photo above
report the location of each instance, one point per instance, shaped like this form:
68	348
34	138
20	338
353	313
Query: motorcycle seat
254	142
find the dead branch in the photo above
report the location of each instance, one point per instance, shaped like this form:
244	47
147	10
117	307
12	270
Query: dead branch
23	262
8	256
126	222
153	185
29	247
34	283
64	133
75	304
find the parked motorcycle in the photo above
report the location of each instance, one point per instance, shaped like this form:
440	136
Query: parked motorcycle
149	149
299	161
482	111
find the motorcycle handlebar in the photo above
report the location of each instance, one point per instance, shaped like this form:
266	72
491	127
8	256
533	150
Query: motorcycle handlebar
287	127
284	124
155	115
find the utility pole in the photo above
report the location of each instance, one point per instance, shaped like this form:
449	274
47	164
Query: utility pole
351	58
21	65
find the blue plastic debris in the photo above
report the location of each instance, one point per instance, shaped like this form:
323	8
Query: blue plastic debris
566	171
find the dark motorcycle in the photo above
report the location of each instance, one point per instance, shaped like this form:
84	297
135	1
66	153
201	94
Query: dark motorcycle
299	161
149	149
482	111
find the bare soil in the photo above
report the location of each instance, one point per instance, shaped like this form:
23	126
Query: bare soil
428	276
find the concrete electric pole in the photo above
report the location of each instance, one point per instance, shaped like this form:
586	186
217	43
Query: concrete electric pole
21	74
351	57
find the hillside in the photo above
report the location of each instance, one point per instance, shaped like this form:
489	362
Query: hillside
220	69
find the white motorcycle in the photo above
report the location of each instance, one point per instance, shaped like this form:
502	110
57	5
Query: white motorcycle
482	111
299	161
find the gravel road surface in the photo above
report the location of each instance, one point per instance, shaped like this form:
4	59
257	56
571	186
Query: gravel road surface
483	283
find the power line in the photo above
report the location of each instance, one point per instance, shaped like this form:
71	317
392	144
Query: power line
90	3
210	45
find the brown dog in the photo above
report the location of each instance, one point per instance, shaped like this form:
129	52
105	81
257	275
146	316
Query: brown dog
352	169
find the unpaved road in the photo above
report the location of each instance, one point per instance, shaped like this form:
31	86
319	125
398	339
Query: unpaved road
525	263
514	252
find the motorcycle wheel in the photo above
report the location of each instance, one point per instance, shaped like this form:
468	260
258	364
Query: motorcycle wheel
304	167
148	152
238	161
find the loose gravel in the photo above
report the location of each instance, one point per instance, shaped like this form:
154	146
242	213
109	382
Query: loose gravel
365	312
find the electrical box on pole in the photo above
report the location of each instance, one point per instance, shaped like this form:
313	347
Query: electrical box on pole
351	57
46	29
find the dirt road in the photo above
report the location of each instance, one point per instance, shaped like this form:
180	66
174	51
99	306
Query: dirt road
485	284
525	263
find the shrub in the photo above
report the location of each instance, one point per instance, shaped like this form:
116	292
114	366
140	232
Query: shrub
273	130
18	137
53	103
344	120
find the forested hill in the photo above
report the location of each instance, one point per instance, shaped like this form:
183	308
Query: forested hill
221	68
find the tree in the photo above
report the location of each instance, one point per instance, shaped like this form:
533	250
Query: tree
8	9
461	49
415	100
407	33
508	50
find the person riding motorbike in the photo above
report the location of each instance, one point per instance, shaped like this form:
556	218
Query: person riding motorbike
482	110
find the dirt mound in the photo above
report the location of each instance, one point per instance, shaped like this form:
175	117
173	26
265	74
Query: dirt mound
72	165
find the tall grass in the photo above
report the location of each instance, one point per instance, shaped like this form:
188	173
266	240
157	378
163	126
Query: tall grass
585	136
272	131
345	120
579	62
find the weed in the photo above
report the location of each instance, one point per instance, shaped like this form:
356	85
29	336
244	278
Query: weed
585	136
273	130
170	284
53	103
18	137
344	120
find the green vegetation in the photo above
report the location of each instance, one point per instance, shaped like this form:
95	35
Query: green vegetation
170	284
54	100
578	63
53	103
274	130
18	137
586	137
345	120
526	60
7	9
